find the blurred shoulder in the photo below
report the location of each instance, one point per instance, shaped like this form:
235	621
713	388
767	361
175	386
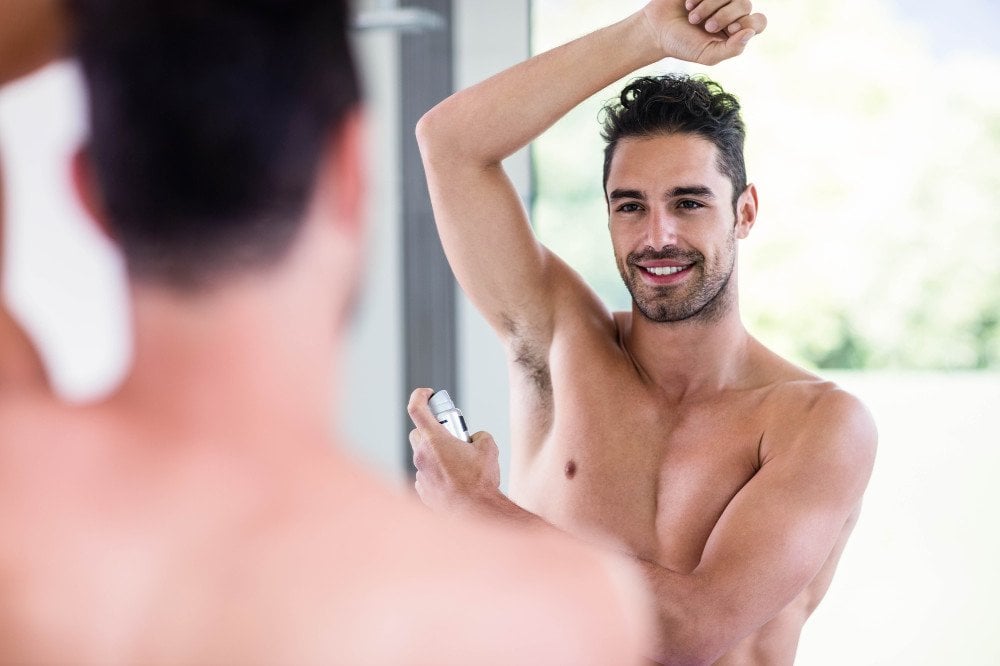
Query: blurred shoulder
505	595
563	601
31	414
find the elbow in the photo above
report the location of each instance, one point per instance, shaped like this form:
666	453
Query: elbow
691	640
446	141
425	131
679	654
431	135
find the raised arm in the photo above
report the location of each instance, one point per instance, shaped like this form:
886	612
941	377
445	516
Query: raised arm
32	33
514	281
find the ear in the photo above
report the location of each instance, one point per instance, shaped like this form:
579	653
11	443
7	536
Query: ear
345	174
85	184
746	211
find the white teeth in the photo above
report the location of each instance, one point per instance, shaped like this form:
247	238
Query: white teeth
665	270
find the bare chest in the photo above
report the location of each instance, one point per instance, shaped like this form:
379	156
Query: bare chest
651	477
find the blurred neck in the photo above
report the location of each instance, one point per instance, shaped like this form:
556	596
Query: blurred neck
253	359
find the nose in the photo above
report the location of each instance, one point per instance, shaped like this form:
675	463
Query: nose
662	230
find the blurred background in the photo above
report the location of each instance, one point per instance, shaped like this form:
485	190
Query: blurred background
874	141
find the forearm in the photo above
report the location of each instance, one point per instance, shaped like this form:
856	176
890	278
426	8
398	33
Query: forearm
500	508
492	120
689	627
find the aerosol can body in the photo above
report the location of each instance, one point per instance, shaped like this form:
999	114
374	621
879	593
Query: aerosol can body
448	415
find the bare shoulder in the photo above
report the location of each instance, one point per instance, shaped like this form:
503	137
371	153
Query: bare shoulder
821	405
30	418
462	591
556	601
805	410
507	596
332	561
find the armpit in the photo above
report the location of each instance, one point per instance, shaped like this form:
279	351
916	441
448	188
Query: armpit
535	366
531	357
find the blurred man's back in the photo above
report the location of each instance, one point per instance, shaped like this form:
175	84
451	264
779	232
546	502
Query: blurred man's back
203	512
198	546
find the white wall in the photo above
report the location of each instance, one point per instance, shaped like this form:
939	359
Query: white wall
919	580
64	280
371	412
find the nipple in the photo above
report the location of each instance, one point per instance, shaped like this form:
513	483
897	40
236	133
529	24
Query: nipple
570	469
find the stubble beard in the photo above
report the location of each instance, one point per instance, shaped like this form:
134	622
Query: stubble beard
704	297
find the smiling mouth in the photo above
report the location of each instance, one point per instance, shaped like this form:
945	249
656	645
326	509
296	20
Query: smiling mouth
665	270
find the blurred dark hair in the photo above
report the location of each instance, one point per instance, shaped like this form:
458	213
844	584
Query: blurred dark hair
207	121
677	103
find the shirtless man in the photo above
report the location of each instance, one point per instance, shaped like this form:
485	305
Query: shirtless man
204	513
731	475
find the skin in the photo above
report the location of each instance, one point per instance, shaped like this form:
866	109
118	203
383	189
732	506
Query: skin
731	476
651	203
204	512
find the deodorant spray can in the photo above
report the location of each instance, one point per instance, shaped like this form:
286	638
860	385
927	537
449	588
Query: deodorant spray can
449	415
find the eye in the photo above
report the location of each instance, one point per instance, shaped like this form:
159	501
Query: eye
630	207
689	204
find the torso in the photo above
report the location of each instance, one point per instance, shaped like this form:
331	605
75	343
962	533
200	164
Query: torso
612	458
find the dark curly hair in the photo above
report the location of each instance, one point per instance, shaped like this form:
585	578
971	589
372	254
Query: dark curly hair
673	104
207	120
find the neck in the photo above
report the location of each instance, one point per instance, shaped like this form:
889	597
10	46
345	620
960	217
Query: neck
694	356
251	361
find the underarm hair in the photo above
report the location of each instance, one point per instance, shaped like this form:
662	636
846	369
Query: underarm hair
530	357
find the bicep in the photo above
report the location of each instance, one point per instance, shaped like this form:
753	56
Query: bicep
511	278
780	528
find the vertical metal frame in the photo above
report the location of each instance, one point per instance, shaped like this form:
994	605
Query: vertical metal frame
429	309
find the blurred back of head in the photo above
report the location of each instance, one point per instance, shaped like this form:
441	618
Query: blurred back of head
208	119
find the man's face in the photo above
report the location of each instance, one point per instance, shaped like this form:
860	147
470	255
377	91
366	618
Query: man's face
673	226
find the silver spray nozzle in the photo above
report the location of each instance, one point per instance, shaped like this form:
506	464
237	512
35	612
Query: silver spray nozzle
440	401
448	415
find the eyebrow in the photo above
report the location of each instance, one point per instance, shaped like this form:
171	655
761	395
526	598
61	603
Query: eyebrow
626	194
683	191
692	191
